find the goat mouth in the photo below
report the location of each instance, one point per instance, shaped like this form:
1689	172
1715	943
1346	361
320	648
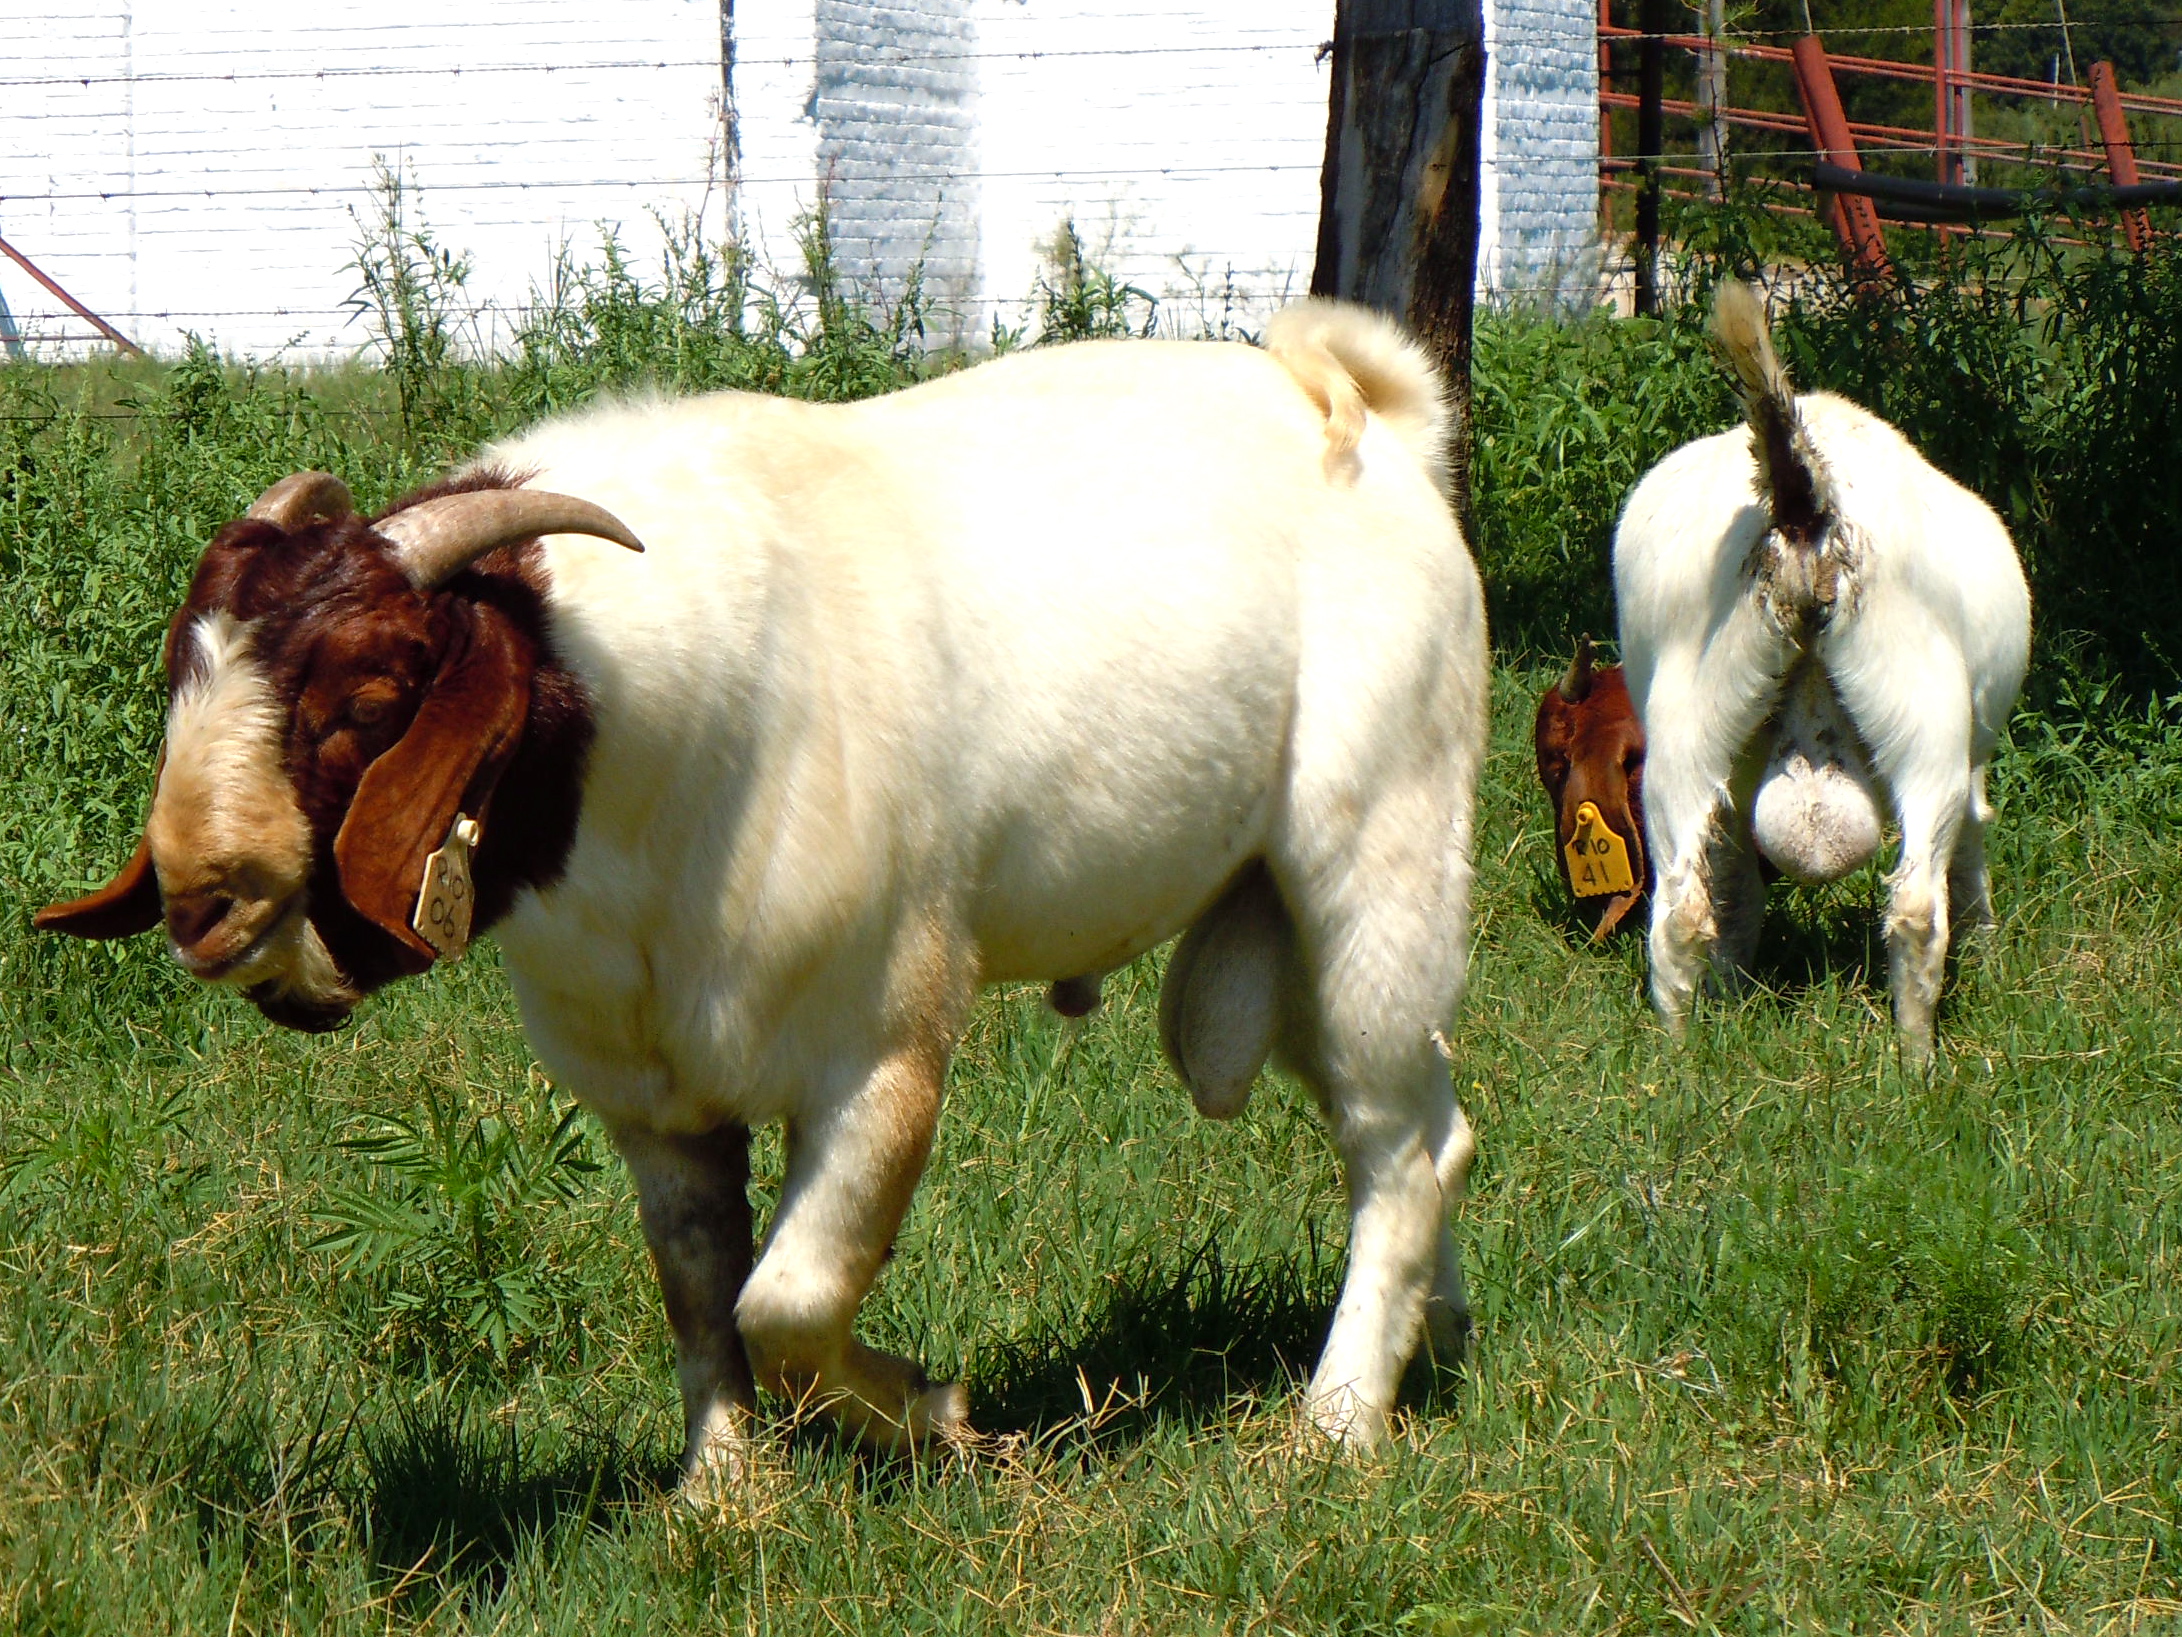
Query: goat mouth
244	966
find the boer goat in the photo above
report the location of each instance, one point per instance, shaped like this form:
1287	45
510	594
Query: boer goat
1008	676
1811	616
1590	750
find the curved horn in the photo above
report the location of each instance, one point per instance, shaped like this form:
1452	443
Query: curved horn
295	500
1576	686
436	539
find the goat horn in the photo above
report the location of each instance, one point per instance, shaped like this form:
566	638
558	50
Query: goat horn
436	539
1576	686
296	499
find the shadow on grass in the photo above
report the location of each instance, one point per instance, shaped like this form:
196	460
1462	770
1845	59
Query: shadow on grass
1819	935
1189	1345
450	1494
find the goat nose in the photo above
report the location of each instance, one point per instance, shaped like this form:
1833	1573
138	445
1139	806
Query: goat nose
192	918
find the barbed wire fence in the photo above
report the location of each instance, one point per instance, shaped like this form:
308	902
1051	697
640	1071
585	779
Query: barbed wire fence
1196	270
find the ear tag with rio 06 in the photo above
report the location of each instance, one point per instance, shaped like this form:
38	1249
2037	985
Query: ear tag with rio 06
446	898
1598	859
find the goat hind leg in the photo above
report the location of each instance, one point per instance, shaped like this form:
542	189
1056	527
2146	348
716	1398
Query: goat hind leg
1917	912
1969	882
1447	1325
1380	968
851	1171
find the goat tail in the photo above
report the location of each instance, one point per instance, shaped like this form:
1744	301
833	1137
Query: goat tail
1792	477
1352	360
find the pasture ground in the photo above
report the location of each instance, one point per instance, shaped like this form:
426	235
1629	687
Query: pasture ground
1773	1335
358	1334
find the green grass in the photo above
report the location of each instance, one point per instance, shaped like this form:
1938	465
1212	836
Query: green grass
1772	1333
358	1334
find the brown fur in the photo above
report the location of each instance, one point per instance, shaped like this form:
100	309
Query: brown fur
402	707
1590	747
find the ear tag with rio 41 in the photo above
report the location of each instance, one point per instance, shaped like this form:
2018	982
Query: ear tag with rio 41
1598	859
446	898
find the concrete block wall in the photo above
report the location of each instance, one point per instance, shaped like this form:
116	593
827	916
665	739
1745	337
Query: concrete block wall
895	98
1539	235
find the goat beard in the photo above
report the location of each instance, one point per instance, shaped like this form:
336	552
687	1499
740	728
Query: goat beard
311	994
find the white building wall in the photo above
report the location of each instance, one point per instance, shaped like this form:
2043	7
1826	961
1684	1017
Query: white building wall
1183	141
775	94
186	166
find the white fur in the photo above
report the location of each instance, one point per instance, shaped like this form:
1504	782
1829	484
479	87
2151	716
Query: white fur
1921	659
225	819
1005	677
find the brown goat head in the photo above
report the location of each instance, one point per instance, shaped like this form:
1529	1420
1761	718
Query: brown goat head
340	692
1590	749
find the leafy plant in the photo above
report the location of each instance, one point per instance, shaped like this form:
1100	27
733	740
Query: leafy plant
411	302
450	1231
1078	300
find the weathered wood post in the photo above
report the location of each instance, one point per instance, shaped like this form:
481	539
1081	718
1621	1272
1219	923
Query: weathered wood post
1398	196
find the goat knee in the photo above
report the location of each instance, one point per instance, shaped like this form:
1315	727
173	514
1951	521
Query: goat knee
794	1327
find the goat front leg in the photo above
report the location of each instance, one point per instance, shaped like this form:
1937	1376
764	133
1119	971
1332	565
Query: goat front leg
693	1195
851	1170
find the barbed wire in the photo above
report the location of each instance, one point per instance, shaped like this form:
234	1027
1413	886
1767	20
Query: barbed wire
447	179
880	57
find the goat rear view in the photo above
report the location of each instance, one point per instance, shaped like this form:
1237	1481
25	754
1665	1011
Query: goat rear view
1815	622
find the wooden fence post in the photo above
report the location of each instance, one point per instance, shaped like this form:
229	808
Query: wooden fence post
1855	217
2121	158
1398	197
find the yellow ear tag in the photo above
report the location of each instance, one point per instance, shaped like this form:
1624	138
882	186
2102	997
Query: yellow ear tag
1598	859
444	901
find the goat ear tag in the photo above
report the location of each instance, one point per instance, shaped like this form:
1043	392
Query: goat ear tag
444	901
1598	859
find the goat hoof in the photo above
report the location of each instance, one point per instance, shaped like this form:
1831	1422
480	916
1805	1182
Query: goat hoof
942	1415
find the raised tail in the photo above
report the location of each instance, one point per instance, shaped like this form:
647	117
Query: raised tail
1792	478
1352	360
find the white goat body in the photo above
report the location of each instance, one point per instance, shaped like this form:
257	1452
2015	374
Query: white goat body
1813	617
1011	676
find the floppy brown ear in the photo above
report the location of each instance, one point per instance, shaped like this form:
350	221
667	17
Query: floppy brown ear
458	745
127	904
